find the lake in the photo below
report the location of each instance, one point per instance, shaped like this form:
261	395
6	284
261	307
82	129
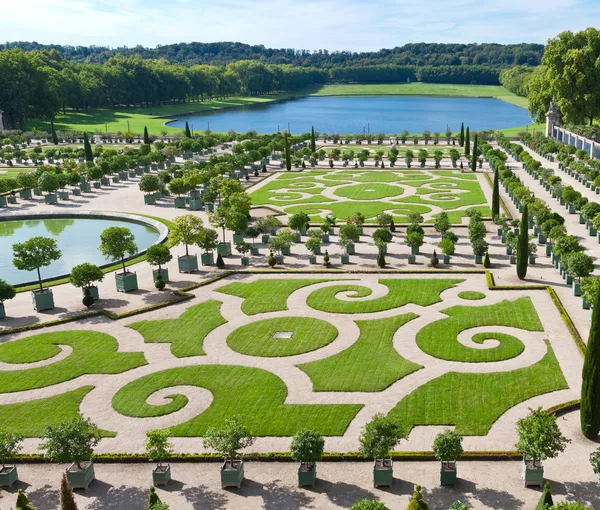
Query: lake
354	114
77	238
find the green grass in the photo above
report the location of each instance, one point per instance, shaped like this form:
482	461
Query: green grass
368	191
439	339
471	295
257	338
263	296
370	364
93	353
186	334
473	402
255	394
469	193
422	89
12	172
123	119
423	292
30	419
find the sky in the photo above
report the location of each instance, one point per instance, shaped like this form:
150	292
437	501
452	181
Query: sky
354	25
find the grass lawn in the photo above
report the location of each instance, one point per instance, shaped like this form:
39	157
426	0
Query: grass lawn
368	191
186	334
471	295
93	353
30	419
255	394
7	172
117	119
370	364
423	292
262	296
439	338
283	336
473	402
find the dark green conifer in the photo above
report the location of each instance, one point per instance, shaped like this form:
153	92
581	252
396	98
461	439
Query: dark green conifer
523	245
496	195
87	148
590	388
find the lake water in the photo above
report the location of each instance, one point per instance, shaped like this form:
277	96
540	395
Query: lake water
77	238
386	114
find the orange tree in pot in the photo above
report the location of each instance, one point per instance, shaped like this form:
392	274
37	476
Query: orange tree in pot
307	448
158	447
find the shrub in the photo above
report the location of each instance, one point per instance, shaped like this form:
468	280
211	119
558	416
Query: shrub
545	499
447	446
417	502
72	441
158	254
158	446
220	261
230	439
7	291
10	446
369	504
380	436
539	436
116	242
23	501
307	446
67	500
486	260
35	253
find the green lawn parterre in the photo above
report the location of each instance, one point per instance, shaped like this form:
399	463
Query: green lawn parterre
471	402
344	192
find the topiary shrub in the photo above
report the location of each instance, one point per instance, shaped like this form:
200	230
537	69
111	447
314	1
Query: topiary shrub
546	498
220	262
381	259
23	501
369	504
486	261
159	283
326	259
434	260
271	260
417	502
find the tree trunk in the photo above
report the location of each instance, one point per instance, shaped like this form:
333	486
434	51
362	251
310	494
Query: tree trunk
40	279
123	262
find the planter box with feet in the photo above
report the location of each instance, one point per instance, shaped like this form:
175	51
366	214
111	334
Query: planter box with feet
179	203
279	259
448	473
207	259
8	476
446	259
232	473
187	263
264	238
63	195
50	198
345	259
81	478
245	261
576	289
164	273
25	194
237	238
161	475
149	199
126	282
533	473
93	292
307	474
383	474
224	249
42	300
412	259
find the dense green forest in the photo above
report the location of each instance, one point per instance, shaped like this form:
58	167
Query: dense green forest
223	53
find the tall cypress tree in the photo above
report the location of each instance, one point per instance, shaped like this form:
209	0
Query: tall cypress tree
313	141
53	133
146	137
288	157
545	501
496	195
89	155
461	137
523	245
67	501
188	133
468	142
590	388
474	155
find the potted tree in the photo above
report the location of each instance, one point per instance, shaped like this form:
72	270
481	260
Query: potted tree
48	182
326	259
378	438
324	232
84	276
31	255
313	244
580	266
73	442
447	448
149	184
186	229
415	241
229	441
179	186
219	219
279	244
349	234
252	233
480	248
10	446
594	461
243	248
381	237
158	447
157	255
447	247
208	240
539	439
307	448
7	291
358	219
299	223
238	222
330	220
266	226
116	243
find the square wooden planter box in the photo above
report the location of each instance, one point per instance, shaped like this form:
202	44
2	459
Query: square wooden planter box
577	289
195	204
383	474
2	201
210	207
254	250
448	473
325	238
279	258
179	203
2	311
105	181
286	250
232	473
161	475
63	195
164	273
533	475
187	263
446	259
345	259
412	259
237	238
25	194
312	259
126	282
149	199
245	261
351	249
307	474
76	192
478	259
532	259
43	300
264	238
50	198
207	259
224	249
93	292
8	476
97	185
81	479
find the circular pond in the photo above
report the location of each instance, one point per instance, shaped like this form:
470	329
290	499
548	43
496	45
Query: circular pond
78	238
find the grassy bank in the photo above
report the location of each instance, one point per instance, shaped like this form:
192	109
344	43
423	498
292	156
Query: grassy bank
422	89
122	119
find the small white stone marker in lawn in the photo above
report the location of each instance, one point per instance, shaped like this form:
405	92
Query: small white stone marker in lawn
283	334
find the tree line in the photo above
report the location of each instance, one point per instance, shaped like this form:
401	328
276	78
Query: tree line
223	53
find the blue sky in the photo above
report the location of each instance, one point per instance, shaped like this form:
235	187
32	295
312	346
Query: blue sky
311	24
